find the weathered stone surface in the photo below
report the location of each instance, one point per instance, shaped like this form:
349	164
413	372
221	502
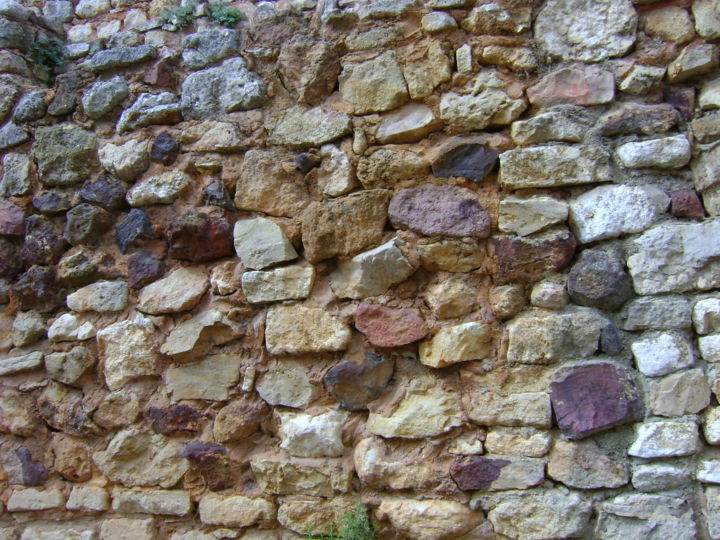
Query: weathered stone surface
198	237
302	514
428	519
88	499
387	167
260	242
118	409
553	166
483	101
162	502
194	337
143	268
374	85
62	409
309	68
345	225
639	118
127	350
122	528
210	378
30	499
121	57
85	224
135	226
453	344
214	92
16	175
208	47
235	511
665	439
306	435
492	18
16	413
469	160
659	353
666	153
695	59
654	516
299	476
298	329
261	177
335	176
104	96
52	202
687	392
37	289
409	124
286	283
528	215
670	23
163	188
176	419
452	255
125	161
452	296
574	30
706	316
388	327
134	458
598	280
356	383
239	419
592	398
549	295
68	367
662	476
524	441
497	473
27	328
180	291
164	149
642	79
586	85
12	135
65	154
30	107
286	383
657	312
11	263
299	127
12	219
102	296
583	465
106	192
371	273
150	109
561	123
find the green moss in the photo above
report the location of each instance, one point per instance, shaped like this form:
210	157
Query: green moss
225	15
47	54
353	525
180	16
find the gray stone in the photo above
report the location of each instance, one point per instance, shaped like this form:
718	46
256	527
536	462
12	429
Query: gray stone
104	96
68	367
286	383
150	109
374	85
16	364
65	154
706	316
102	296
577	85
657	313
653	517
28	327
12	135
60	10
285	283
13	63
214	92
659	353
666	153
14	10
438	21
30	107
707	18
15	35
173	502
651	477
300	127
583	465
561	123
208	47
665	439
642	79
260	243
121	57
16	175
161	189
695	59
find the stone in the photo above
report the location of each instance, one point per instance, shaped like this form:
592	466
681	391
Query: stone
260	242
104	96
164	149
285	383
590	398
642	119
528	215
492	18
16	175
309	68
408	124
126	348
686	392
176	419
460	343
497	473
561	123
706	316
468	160
216	194
669	23
525	441
438	21
335	176
163	188
385	9
642	79
299	476
650	477
583	465
28	327
707	128
12	219
193	338
123	528
199	237
686	203
483	101
388	327
53	202
451	256
68	367
136	225
209	379
239	419
598	280
66	84
306	435
463	59
374	85
30	107
11	263
586	85
299	127
85	224
179	291
286	283
33	500
11	91
387	167
451	296
428	519
125	161
659	353
549	295
612	210
14	35
65	153
16	364
160	502
440	210
567	30
356	383
143	268
665	439
214	92
371	273
431	65
102	297
148	110
34	473
121	57
344	225
235	510
657	312
668	152
695	59
296	329
53	531
553	166
262	176
636	514
70	458
705	169
88	499
62	409
519	59
86	9
301	514
117	410
12	135
37	288
106	192
209	47
16	413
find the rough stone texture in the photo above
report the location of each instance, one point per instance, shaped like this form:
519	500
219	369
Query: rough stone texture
583	465
150	109
374	85
660	353
356	383
387	327
198	237
125	161
180	291
126	348
453	344
161	189
409	124
208	47
655	516
310	69
387	167
260	243
665	153
665	439
102	297
104	96
528	215
298	329
428	519
235	511
575	86
299	127
286	383
687	392
287	283
695	59
598	280
210	378
497	473
65	154
239	419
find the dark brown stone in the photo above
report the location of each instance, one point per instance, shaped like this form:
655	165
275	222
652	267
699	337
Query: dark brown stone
136	225
12	219
472	161
34	473
306	162
61	407
638	118
477	473
355	384
143	268
107	192
592	398
43	244
682	98
71	458
387	327
598	280
686	203
175	419
204	454
440	210
37	289
86	224
164	149
210	460
10	262
309	68
216	194
240	418
199	237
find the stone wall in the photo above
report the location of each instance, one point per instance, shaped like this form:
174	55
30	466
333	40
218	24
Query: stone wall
454	260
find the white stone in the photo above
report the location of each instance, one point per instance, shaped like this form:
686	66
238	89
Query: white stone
665	153
163	188
642	79
371	273
463	59
561	123
171	502
15	364
127	349
125	161
493	18
108	29
430	519
409	124
336	175
124	529
524	441
285	283
708	471
686	392
707	18
660	353
67	327
712	509
438	21
307	435
706	168
613	210
709	347
260	243
706	316
285	383
665	439
527	215
460	343
81	530
179	291
235	511
31	499
88	498
549	295
102	296
639	515
210	378
80	32
711	425
86	9
660	476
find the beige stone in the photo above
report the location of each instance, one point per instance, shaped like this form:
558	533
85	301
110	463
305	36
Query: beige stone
300	127
308	435
286	383
179	291
68	327
425	73
506	301
387	167
583	465
235	511
452	256
300	476
48	530
260	243
239	419
210	378
527	215
374	85
15	364
128	529
32	500
671	23
409	124
686	392
524	441
298	329
88	499
151	501
127	351
16	413
460	343
215	137
336	175
285	283
453	295
194	337
117	409
68	367
313	514
430	519
125	161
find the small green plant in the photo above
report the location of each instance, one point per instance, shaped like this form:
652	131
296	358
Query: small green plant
180	16
47	54
225	15
353	525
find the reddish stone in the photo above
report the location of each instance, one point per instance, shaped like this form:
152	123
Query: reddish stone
587	85
198	237
387	327
37	289
440	210
477	473
163	72
12	219
686	203
34	473
43	244
175	419
682	98
211	462
592	398
355	384
10	263
143	268
528	258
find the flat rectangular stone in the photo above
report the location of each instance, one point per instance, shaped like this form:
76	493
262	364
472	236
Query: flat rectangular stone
235	511
164	502
31	499
208	379
286	283
15	364
124	529
56	531
89	498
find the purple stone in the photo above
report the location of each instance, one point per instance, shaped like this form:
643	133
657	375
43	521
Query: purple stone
594	397
38	289
198	237
355	384
106	192
12	219
34	473
477	473
143	268
175	419
164	149
599	280
43	244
